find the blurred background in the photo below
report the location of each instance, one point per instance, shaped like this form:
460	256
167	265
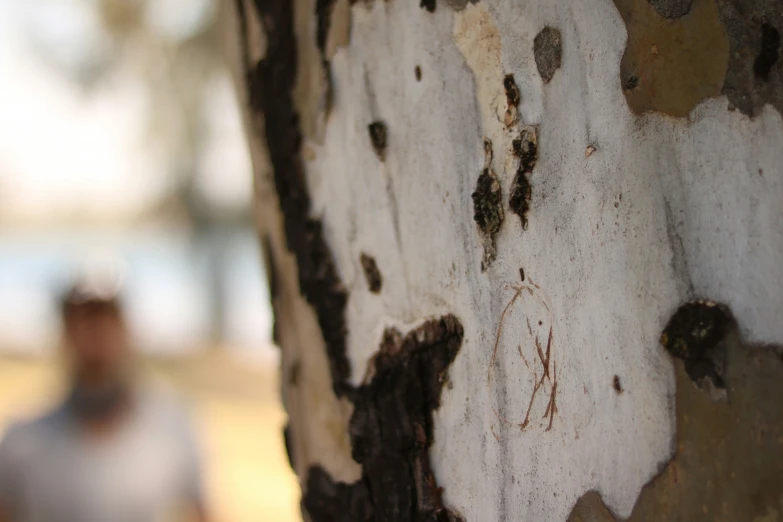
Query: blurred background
121	143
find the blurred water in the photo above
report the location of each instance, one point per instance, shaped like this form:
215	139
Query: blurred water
169	293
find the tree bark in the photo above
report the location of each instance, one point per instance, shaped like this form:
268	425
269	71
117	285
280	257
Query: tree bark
524	257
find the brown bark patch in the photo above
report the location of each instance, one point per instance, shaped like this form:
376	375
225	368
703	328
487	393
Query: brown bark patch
339	34
729	454
670	65
591	508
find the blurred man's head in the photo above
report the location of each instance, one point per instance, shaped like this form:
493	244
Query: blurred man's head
95	338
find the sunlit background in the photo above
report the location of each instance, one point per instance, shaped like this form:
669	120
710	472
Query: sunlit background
121	144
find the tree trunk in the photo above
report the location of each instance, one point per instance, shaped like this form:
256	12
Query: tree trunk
526	258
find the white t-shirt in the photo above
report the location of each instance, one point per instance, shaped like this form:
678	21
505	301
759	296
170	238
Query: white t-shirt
145	471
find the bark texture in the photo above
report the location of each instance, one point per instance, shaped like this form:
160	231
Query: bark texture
614	351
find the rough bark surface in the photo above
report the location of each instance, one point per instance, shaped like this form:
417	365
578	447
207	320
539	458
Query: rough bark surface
391	433
270	86
612	357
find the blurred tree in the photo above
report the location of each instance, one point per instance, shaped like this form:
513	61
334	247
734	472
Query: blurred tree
173	47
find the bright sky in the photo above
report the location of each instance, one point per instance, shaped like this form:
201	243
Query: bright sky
67	153
64	152
61	152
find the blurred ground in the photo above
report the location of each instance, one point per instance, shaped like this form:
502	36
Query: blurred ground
236	404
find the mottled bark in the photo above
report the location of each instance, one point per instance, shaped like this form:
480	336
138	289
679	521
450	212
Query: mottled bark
612	353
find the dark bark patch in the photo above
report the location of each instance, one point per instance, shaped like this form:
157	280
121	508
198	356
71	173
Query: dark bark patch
371	273
294	372
769	54
519	199
488	206
270	84
548	52
391	432
322	287
429	5
328	501
378	137
275	329
323	15
671	9
488	211
694	334
273	285
512	91
289	444
755	74
512	100
526	149
270	267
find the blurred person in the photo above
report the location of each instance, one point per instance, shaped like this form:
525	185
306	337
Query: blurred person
113	450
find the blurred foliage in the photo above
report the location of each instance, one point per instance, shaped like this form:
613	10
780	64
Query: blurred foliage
173	47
